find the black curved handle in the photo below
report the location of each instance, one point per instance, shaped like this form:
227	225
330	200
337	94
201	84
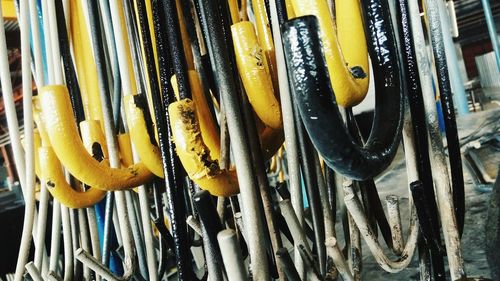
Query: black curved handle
315	99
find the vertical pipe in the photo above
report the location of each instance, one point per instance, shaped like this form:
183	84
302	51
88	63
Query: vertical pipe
246	176
395	222
148	233
210	226
262	180
354	251
292	147
454	159
85	238
490	22
457	84
42	223
55	237
443	187
28	177
68	244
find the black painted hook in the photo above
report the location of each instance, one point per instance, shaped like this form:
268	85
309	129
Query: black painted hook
316	101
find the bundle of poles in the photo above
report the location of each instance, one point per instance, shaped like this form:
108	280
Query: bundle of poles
180	139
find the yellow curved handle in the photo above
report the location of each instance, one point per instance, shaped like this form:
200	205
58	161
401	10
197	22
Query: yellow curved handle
198	142
346	55
255	74
53	177
209	132
52	174
84	61
265	38
149	153
63	136
195	155
234	10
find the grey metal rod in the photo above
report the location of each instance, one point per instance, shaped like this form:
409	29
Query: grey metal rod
355	256
395	222
287	264
33	272
239	144
438	158
292	147
231	255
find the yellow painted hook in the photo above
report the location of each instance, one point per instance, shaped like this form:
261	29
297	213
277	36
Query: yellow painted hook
265	38
53	177
84	61
344	47
51	172
195	155
255	74
198	143
63	136
149	153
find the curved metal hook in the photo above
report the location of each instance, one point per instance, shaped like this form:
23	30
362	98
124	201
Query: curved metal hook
194	154
344	48
316	102
255	74
63	136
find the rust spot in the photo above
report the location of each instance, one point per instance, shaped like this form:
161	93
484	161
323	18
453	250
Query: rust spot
256	53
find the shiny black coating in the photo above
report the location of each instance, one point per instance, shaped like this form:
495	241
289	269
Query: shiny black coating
176	48
446	96
314	96
69	68
355	132
283	191
172	169
417	111
211	226
281	11
423	215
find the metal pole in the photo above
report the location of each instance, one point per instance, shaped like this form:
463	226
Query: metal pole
443	188
490	23
239	144
291	142
457	84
